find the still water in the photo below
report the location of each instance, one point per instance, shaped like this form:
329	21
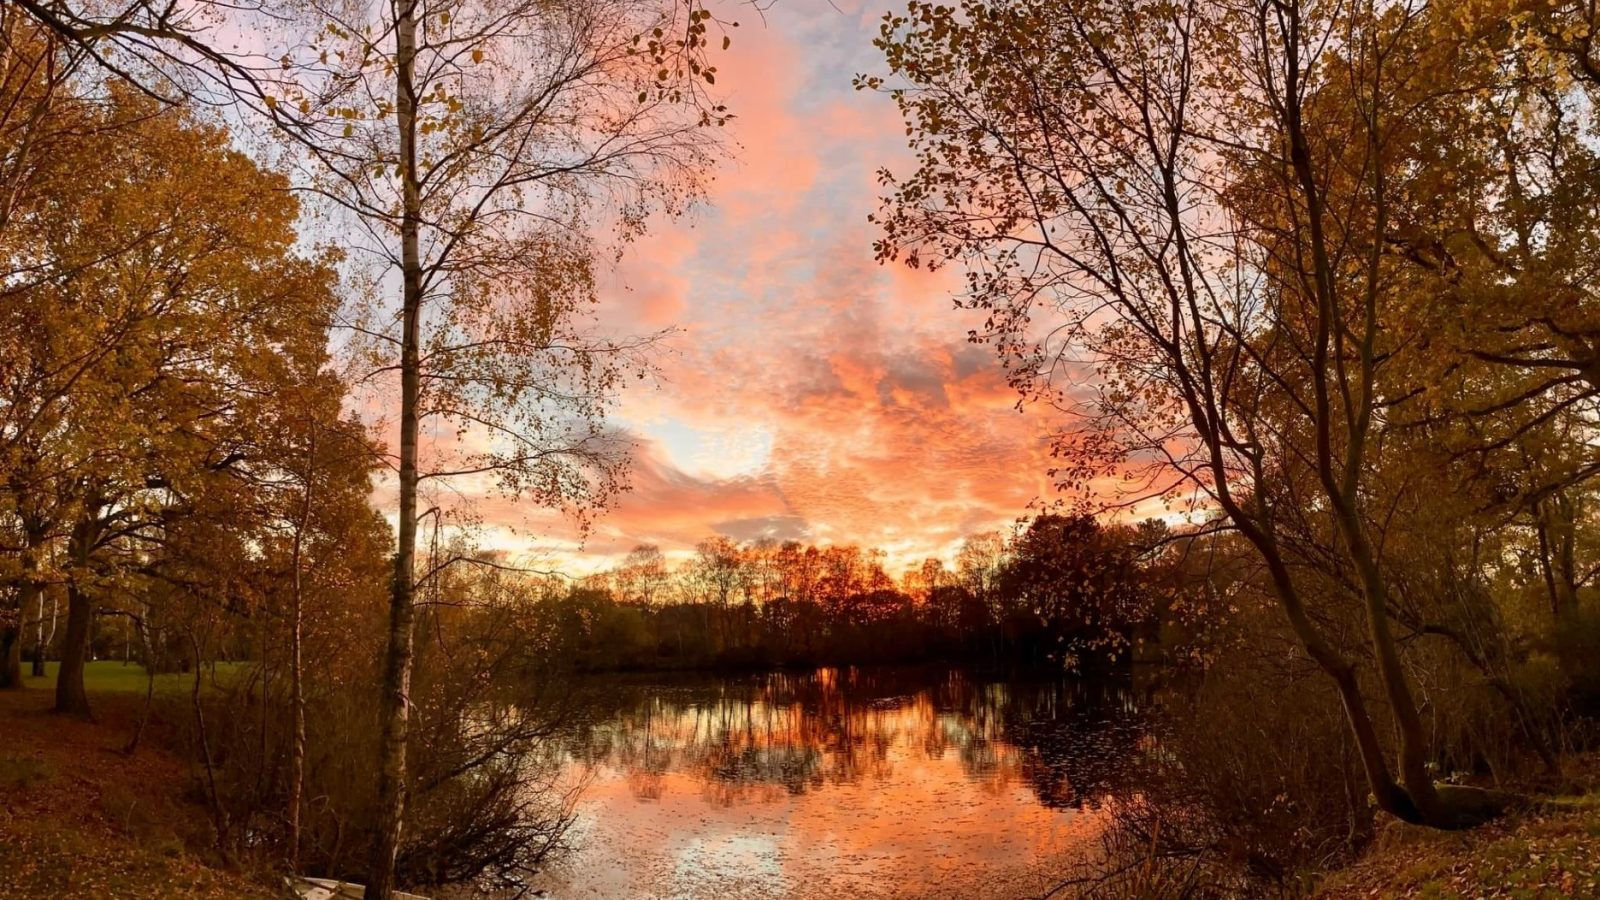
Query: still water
840	783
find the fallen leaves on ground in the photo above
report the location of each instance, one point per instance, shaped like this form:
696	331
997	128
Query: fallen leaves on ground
79	818
1551	852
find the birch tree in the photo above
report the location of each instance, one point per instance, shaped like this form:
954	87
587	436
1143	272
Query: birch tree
470	146
479	151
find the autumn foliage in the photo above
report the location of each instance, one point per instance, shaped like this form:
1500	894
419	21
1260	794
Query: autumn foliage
1306	274
1309	292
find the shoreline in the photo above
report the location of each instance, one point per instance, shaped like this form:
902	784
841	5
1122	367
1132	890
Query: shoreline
84	819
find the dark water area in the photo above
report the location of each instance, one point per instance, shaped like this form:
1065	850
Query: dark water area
841	783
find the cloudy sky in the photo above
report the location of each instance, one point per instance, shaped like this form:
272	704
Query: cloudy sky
809	393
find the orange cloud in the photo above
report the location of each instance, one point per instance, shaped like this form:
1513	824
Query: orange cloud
809	392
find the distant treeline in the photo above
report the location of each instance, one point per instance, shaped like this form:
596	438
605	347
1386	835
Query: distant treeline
1064	592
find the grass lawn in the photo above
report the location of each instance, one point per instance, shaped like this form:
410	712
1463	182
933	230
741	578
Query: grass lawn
109	676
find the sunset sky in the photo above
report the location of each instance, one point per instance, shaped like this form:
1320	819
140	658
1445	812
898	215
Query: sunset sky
810	393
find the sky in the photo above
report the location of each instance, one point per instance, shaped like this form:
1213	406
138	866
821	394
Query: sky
808	393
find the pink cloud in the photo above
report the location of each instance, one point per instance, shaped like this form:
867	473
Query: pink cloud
877	422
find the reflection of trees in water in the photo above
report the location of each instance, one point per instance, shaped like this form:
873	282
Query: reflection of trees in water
760	737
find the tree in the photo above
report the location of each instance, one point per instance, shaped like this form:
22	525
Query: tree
978	566
1502	212
474	145
1189	201
721	571
1079	581
317	510
34	73
173	301
469	144
642	577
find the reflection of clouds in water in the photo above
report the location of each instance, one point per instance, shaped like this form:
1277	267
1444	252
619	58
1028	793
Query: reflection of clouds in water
756	857
841	784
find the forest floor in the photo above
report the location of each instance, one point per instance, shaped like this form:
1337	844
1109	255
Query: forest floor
1550	850
80	818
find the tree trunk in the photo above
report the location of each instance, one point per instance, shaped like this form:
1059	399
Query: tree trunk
297	700
1340	477
1390	797
70	696
219	813
149	690
1413	746
397	662
11	636
11	653
43	640
30	598
1554	525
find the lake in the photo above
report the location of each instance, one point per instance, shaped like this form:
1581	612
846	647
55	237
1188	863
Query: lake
840	783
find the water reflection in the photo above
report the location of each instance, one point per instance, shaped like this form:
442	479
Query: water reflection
840	783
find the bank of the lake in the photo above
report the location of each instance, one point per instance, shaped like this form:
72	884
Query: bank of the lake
1552	850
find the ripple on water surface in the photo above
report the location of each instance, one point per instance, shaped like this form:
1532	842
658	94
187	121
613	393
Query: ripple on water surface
841	784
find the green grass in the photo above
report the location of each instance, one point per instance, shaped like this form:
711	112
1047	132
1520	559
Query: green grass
113	677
